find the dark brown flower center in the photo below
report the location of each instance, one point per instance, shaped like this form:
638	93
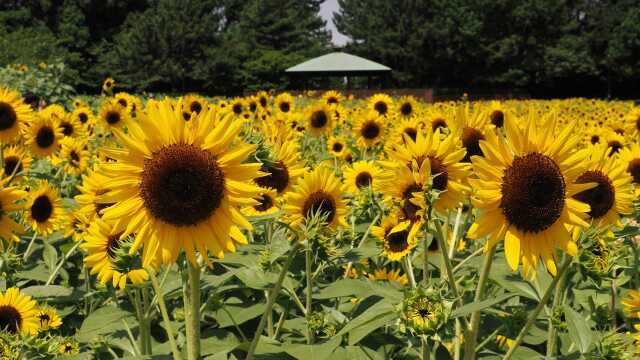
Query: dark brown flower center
634	170
253	106
595	139
263	101
10	164
409	209
619	131
438	169
278	177
533	192
337	147
438	123
471	141
41	209
8	116
122	102
320	202
363	179
319	119
10	319
83	118
113	117
45	137
497	118
44	319
614	146
381	107
411	132
332	100
182	184
406	109
266	203
433	246
67	128
602	197
237	108
398	241
370	130
98	206
285	106
74	157
195	107
638	123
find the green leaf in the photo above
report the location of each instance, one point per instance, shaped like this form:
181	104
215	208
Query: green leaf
52	293
239	312
513	283
361	289
383	312
313	352
256	278
105	320
218	341
479	305
355	353
50	255
579	329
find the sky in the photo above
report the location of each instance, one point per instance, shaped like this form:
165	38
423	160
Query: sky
327	8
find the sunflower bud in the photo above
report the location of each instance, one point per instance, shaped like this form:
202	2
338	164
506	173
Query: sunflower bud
123	261
178	314
558	319
214	302
315	321
424	311
264	259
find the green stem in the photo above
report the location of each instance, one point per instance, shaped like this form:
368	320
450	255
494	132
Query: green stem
192	312
280	324
272	300
28	251
486	341
131	338
467	259
364	238
408	269
143	324
165	314
425	261
64	259
308	260
557	301
426	349
536	312
156	296
244	338
474	322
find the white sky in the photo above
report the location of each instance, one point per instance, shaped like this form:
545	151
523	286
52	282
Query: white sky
327	9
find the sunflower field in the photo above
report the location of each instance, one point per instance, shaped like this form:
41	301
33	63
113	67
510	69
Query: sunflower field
318	227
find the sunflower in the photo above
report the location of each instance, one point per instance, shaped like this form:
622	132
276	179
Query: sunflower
632	304
438	119
632	121
72	127
504	342
391	275
470	128
68	347
525	189
497	114
15	158
43	136
13	113
612	196
102	242
410	127
54	111
631	158
284	169
84	115
408	188
364	174
48	318
407	107
8	196
444	161
124	99
333	97
77	103
381	103
179	185
74	155
93	185
336	147
269	204
113	116
44	208
75	225
369	128
236	108
615	142
263	99
284	103
18	313
319	118
108	84
593	135
397	238
318	191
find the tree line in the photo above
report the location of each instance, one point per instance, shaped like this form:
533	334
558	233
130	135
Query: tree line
547	48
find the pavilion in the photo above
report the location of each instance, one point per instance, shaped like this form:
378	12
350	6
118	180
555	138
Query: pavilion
338	64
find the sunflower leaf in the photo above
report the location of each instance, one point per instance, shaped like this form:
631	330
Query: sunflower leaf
579	330
479	305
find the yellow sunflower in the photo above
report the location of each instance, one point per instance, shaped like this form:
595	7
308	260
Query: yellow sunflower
632	304
336	147
180	185
632	121
84	115
68	347
43	136
75	225
444	161
263	99
333	97
410	127
364	174
631	158
318	191
612	196
381	103
615	142
48	318
237	108
408	189
108	84
369	128
398	238
72	127
93	185
44	208
285	168
284	103
269	204
15	159
524	192
497	114
8	197
113	116
74	155
13	114
407	107
319	118
194	103
391	275
470	128
124	99
102	242
18	313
